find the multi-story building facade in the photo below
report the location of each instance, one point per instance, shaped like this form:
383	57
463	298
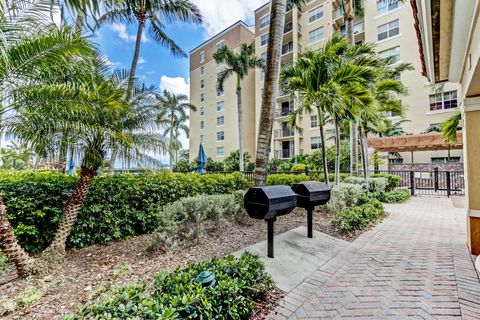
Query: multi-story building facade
389	24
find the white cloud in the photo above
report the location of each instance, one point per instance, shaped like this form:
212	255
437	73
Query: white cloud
121	30
112	64
219	14
176	85
141	61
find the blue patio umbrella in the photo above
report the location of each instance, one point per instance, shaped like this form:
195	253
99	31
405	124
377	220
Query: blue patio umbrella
71	167
201	160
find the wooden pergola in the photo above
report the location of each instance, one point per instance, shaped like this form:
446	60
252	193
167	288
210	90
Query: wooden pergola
417	142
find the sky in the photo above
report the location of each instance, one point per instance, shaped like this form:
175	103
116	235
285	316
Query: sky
156	65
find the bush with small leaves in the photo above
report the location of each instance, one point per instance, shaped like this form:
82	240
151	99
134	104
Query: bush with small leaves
286	179
240	284
395	196
374	184
359	217
393	181
344	196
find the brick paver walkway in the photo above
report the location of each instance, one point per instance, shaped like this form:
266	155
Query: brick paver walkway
413	265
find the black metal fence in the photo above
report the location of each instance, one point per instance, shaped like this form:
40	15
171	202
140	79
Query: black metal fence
441	183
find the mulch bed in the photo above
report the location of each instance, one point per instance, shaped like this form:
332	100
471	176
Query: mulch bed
90	271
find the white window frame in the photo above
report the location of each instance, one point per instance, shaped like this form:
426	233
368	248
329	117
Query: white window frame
392	49
316	35
220	44
202	111
202	97
315	15
267	23
222	122
387	7
202	70
222	154
318	143
221	135
390	29
202	124
202	83
312	121
442	97
202	57
262	39
222	103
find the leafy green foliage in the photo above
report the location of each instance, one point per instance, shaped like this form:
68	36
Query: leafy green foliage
285	179
374	184
359	217
393	181
395	196
185	220
240	283
301	167
117	207
232	161
344	197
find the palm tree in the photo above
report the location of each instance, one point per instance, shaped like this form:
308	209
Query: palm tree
270	88
157	13
31	48
239	64
450	127
171	117
339	74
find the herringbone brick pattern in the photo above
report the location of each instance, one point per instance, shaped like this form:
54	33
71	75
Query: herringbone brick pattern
413	265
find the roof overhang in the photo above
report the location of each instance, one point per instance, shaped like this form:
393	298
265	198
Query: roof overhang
443	28
412	143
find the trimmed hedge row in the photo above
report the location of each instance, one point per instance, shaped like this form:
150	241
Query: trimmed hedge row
117	207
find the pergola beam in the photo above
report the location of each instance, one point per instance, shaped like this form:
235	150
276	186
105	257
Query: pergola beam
413	143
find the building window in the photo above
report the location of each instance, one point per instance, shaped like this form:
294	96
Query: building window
443	101
385	6
220	135
202	97
202	111
221	44
220	106
202	138
316	35
219	93
220	121
202	70
264	21
315	14
392	55
388	30
220	151
263	56
202	125
391	114
264	39
314	121
315	143
445	160
202	84
202	57
395	161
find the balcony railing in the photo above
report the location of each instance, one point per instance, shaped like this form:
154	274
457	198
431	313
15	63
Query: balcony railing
287	47
283	133
288	27
284	153
282	112
358	27
337	14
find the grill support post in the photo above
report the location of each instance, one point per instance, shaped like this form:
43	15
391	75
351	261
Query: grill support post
270	234
310	222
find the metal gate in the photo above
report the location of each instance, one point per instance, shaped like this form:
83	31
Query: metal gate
442	183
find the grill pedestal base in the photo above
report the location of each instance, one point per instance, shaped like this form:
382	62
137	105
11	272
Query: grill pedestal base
270	234
310	222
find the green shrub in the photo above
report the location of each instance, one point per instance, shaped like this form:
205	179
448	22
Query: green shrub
117	207
359	217
184	220
393	181
241	282
298	167
374	184
395	196
344	196
285	179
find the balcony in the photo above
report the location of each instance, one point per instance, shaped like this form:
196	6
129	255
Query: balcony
284	153
287	48
338	17
283	112
283	133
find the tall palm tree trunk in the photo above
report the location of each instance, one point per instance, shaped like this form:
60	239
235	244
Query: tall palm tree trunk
364	147
240	125
133	68
270	90
350	17
324	149
71	209
10	247
337	152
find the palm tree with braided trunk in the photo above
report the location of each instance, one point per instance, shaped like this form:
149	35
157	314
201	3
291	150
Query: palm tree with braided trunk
238	64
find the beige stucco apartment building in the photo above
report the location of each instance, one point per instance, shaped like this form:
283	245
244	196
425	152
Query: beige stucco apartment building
387	23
